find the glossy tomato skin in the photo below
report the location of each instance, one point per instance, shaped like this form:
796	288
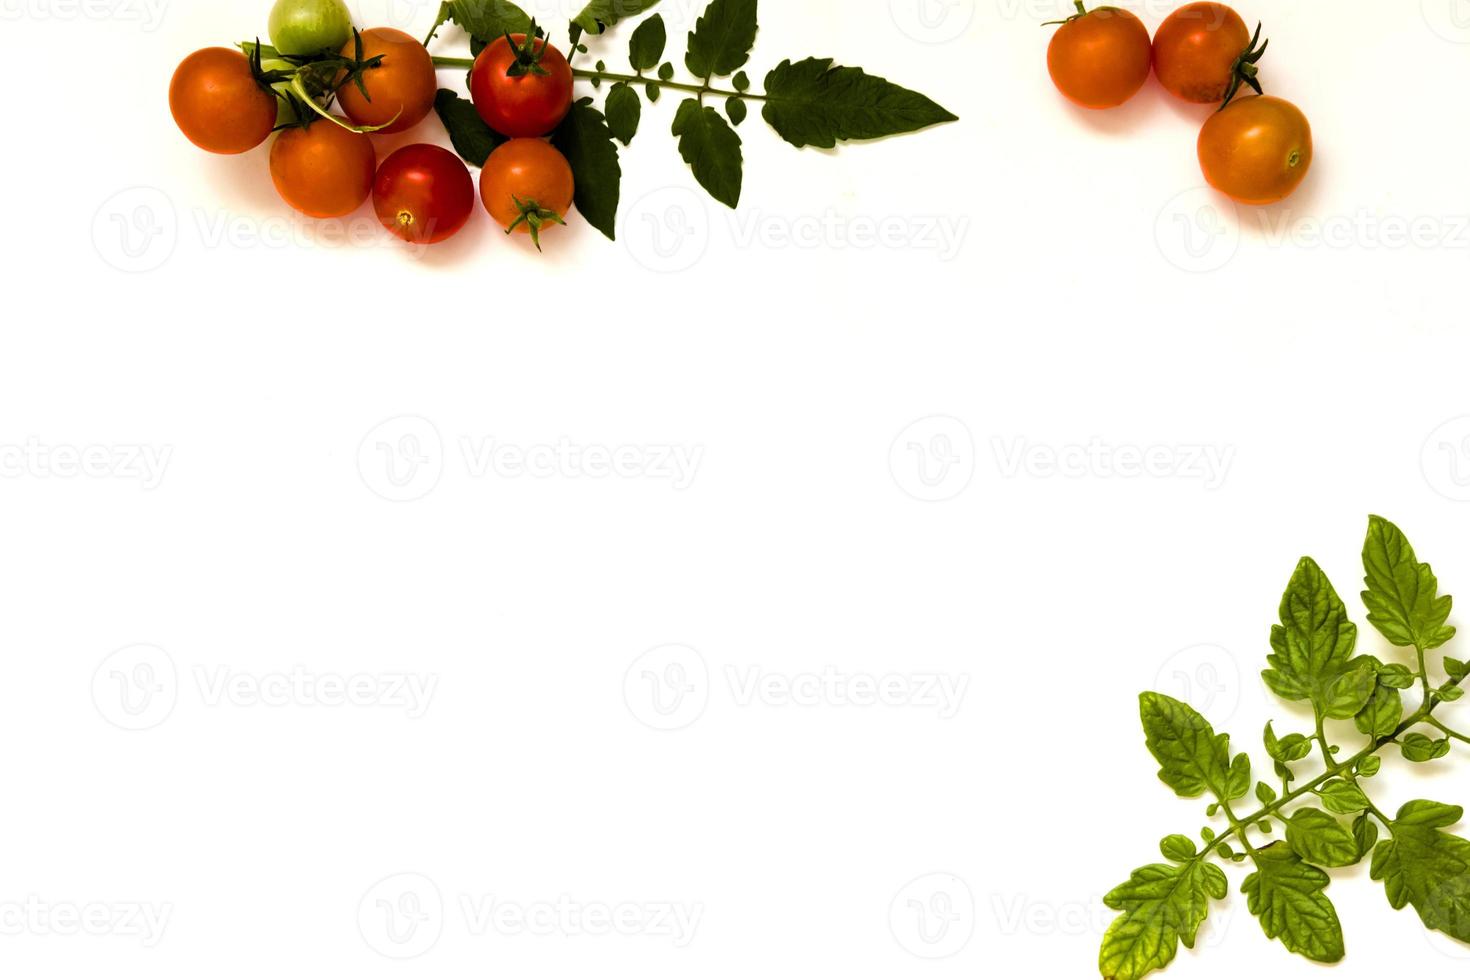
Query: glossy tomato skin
1256	150
324	171
423	194
308	27
404	84
217	103
525	105
1196	48
1101	59
530	170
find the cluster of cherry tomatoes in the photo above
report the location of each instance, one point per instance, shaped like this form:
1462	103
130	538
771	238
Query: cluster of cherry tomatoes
1256	150
382	80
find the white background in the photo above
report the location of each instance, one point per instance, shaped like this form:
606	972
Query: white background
872	424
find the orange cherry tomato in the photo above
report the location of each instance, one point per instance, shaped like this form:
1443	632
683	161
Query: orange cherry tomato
402	86
1100	59
424	194
1256	150
323	170
1196	50
218	104
526	185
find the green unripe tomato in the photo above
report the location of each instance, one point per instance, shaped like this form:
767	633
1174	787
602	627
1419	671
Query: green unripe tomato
306	27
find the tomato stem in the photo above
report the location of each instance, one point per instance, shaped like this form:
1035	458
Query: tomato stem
609	76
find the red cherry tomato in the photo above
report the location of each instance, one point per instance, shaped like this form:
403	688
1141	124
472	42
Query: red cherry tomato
1196	50
1100	59
218	104
423	194
323	170
524	90
402	86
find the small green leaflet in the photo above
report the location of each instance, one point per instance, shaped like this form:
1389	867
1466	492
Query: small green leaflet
1341	796
1321	838
1381	715
1192	758
646	48
1288	748
1162	906
712	150
599	15
812	103
722	38
472	139
1418	747
1314	639
1402	595
587	143
1427	868
1347	694
1177	848
624	111
1288	896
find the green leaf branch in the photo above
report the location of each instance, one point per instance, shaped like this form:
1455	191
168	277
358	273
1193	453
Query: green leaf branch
1313	660
811	102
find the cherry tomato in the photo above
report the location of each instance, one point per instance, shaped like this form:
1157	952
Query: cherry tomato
423	194
323	170
218	104
307	27
1256	150
1196	50
1100	59
526	185
404	84
531	102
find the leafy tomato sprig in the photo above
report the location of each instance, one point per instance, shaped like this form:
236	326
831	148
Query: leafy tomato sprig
1313	662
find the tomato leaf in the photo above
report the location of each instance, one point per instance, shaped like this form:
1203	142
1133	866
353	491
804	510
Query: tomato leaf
472	139
1403	595
599	15
486	20
624	112
646	48
811	103
1289	897
1321	838
1427	868
1191	757
721	40
712	150
1162	906
587	143
1313	641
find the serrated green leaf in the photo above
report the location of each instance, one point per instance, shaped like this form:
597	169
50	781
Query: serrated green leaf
1382	714
472	139
1288	748
712	150
624	111
599	15
1289	897
1402	596
587	143
1314	640
722	38
1341	796
1191	757
1418	747
812	103
487	20
646	47
1163	905
1427	868
1320	838
1177	847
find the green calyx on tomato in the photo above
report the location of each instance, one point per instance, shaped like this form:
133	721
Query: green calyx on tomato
1246	71
308	27
534	218
527	56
